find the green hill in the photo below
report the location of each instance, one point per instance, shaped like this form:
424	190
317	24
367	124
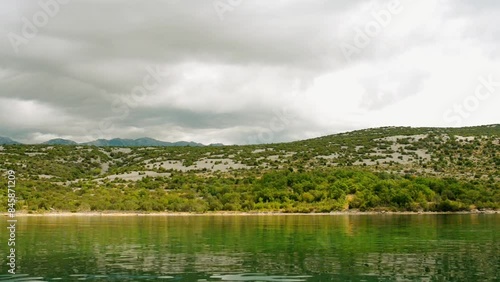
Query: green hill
390	168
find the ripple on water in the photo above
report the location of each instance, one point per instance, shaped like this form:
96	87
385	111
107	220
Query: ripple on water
216	277
20	277
259	277
82	277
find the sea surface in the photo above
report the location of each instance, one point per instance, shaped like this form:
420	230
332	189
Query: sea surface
461	247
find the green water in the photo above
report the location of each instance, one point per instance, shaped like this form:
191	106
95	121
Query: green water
256	248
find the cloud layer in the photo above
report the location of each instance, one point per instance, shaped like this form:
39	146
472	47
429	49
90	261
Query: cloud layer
244	71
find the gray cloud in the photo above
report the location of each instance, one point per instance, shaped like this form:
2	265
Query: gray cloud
381	93
224	80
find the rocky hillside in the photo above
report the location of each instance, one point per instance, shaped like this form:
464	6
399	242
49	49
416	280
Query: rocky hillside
469	155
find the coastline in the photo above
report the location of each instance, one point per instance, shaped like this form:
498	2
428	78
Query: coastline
225	213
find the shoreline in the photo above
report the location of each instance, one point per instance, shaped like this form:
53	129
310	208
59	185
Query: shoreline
132	213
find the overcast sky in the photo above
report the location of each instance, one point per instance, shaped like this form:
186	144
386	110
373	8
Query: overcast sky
244	71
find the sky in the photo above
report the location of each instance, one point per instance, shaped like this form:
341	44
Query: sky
244	71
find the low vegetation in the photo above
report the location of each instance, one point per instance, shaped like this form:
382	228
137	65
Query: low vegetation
384	169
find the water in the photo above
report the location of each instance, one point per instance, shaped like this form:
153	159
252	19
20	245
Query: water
256	248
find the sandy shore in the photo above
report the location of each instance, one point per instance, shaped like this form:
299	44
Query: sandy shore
120	213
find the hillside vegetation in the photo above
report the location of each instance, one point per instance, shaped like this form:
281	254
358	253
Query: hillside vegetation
391	168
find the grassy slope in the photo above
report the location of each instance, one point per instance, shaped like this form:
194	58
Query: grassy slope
393	168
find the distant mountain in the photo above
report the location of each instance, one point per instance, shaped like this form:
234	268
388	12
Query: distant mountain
185	143
7	141
116	142
59	141
107	143
216	145
141	142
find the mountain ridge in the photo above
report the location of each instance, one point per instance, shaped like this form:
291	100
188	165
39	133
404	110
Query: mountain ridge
115	142
59	141
151	142
140	142
7	141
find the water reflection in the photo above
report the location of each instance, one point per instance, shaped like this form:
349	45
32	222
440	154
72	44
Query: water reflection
20	277
259	277
239	248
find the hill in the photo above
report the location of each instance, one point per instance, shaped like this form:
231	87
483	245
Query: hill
390	168
116	142
59	141
141	142
7	141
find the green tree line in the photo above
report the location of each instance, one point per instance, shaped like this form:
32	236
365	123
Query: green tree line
286	190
